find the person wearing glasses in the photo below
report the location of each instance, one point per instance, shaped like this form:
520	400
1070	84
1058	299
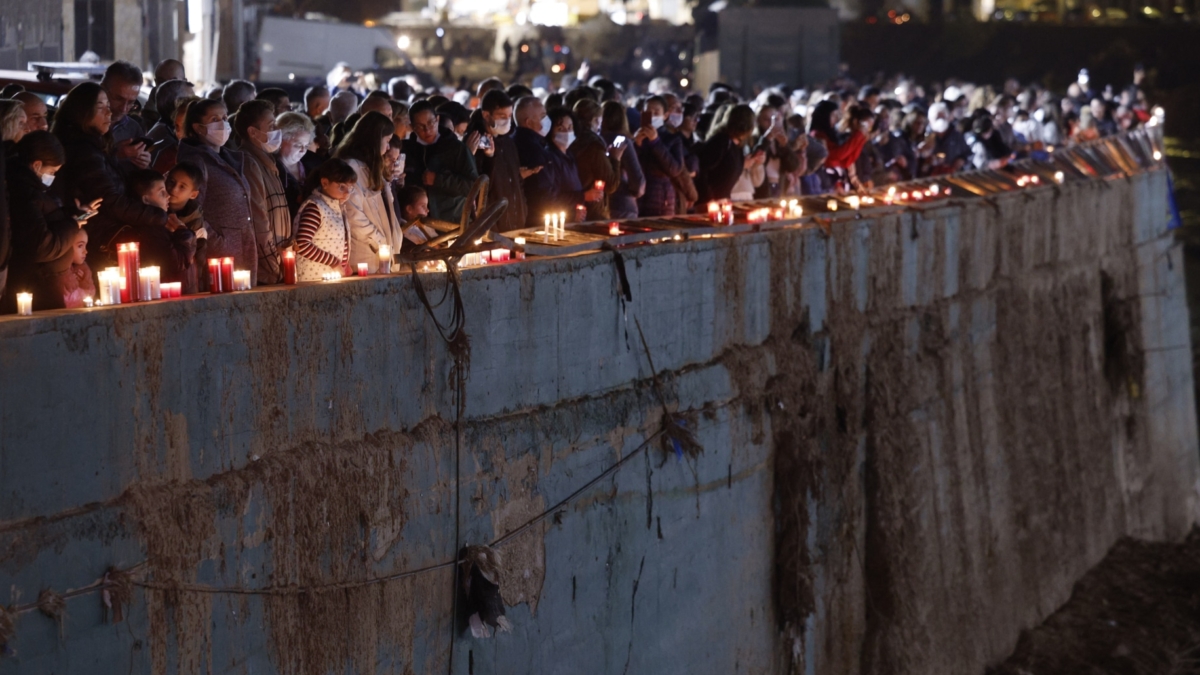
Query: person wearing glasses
438	162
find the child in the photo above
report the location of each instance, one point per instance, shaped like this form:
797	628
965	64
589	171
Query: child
73	282
172	248
413	207
183	189
322	237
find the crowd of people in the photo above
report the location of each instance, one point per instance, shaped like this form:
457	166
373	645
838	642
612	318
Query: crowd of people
249	174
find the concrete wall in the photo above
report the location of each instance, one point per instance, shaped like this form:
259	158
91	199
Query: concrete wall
917	432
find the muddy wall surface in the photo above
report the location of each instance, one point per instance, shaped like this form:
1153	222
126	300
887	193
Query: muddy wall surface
917	429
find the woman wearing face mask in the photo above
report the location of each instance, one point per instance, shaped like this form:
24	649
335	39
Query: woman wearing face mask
260	141
661	160
370	210
297	134
89	174
43	232
225	195
595	159
565	190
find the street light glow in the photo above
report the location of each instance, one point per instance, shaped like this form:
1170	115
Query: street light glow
403	42
647	64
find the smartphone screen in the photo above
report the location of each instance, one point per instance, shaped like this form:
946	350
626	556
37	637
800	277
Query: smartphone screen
618	141
646	117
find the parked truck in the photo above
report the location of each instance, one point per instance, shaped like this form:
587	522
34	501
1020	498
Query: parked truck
299	50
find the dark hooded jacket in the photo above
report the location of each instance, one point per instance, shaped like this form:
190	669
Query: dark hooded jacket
43	239
450	161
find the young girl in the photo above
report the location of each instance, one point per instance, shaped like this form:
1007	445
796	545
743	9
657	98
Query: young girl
322	238
74	283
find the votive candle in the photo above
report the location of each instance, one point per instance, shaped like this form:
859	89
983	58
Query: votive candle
385	259
214	275
289	266
227	275
25	304
362	269
614	230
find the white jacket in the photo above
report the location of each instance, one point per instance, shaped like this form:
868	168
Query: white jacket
371	216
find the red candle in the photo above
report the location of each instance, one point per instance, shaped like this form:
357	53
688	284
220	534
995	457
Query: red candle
214	275
714	212
600	185
123	265
362	269
226	275
580	213
289	267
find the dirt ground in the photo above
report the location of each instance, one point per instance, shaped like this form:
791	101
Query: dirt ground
1137	612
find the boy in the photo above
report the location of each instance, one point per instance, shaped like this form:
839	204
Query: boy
183	189
172	248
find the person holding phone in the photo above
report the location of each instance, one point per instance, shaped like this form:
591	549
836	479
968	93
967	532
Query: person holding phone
43	232
660	160
779	158
565	189
122	82
90	173
498	158
597	161
614	129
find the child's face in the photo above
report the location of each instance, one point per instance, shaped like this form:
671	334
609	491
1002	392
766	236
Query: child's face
338	191
180	190
80	249
157	195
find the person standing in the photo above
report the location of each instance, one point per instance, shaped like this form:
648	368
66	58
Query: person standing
90	172
659	162
35	111
122	82
614	128
499	159
369	209
261	140
595	160
439	162
225	194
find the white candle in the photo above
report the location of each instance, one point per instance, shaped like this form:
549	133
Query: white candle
546	226
88	302
1059	177
385	259
562	224
832	205
241	280
25	304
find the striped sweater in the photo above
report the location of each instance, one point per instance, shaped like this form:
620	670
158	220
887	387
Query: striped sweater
322	238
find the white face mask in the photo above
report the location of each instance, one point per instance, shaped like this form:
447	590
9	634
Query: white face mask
657	121
501	127
435	139
675	120
400	165
47	179
274	140
564	139
939	125
546	125
217	133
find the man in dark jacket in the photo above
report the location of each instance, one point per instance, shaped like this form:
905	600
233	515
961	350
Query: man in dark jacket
593	158
122	82
530	139
438	162
500	160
